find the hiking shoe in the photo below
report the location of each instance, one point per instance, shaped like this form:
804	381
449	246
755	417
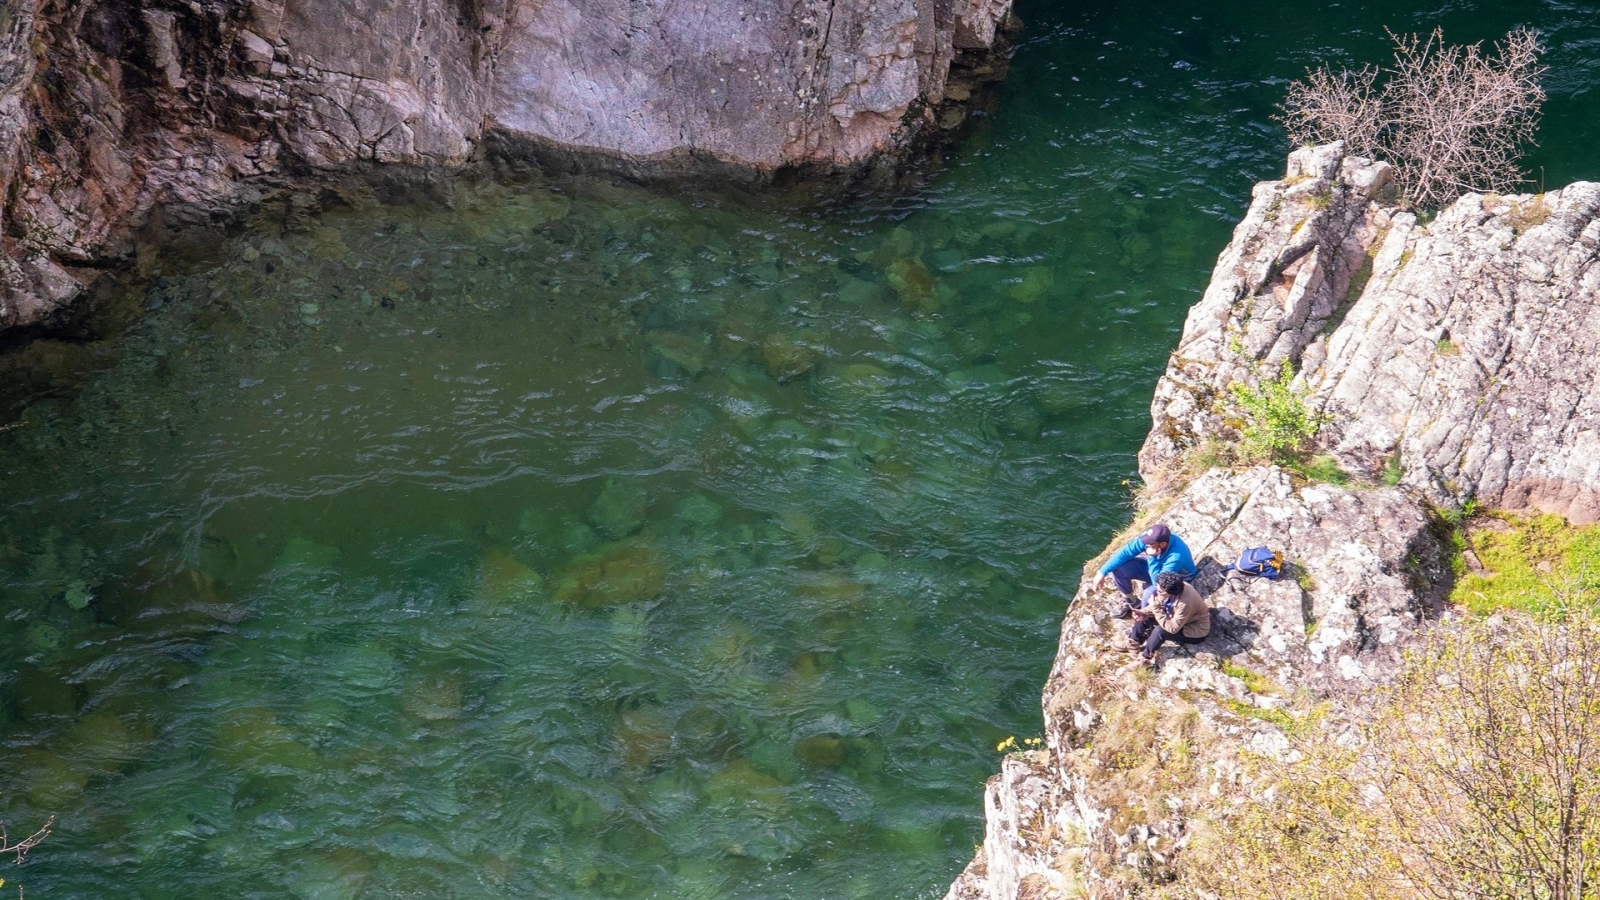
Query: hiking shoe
1124	611
1129	646
1149	662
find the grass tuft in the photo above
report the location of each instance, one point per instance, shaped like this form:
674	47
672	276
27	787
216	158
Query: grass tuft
1522	558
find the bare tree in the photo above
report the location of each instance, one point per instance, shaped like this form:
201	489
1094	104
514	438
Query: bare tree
1449	118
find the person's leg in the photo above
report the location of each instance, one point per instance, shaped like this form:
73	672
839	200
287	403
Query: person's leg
1141	630
1154	640
1125	574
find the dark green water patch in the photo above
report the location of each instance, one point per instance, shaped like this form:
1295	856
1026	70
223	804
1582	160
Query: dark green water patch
577	540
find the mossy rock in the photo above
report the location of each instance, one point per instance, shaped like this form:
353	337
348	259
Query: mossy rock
620	508
251	740
914	285
823	751
644	737
699	510
1037	282
625	572
691	353
787	357
739	783
504	580
433	696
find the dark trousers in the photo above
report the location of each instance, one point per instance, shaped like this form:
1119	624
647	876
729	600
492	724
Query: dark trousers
1152	636
1125	574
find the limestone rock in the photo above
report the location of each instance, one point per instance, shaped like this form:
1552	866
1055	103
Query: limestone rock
158	104
1465	347
1461	346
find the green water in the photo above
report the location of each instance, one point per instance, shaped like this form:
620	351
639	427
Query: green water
579	540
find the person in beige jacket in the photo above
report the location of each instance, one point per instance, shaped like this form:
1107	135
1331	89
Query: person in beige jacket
1176	612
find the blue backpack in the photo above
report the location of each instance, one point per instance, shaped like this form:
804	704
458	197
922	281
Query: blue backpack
1262	562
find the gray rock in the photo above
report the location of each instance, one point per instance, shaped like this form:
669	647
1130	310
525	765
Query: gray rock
1466	351
242	88
1466	347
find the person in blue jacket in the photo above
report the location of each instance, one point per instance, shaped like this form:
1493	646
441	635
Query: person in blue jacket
1143	559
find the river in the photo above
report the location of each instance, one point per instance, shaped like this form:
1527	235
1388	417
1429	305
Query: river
580	540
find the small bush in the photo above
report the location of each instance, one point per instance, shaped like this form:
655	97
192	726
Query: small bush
1392	470
1476	776
1324	469
1448	118
1277	422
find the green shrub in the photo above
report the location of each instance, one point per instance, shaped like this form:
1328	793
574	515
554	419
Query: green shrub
1277	422
1392	470
1323	469
1476	775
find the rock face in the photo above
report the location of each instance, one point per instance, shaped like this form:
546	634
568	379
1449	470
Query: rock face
1455	358
109	108
1465	346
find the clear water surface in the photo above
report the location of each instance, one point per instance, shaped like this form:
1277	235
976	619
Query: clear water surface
580	540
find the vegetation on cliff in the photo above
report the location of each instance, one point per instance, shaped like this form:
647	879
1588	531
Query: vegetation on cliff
1449	119
1475	777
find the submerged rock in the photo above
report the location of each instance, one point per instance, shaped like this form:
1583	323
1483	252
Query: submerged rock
619	510
626	572
503	580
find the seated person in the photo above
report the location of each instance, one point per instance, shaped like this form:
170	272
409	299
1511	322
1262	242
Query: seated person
1144	558
1176	612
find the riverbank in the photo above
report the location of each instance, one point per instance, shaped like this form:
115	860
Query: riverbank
114	112
1433	352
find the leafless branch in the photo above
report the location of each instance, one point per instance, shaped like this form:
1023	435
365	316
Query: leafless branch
21	848
1449	118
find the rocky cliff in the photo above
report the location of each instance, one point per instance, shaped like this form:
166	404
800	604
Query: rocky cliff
1452	361
111	108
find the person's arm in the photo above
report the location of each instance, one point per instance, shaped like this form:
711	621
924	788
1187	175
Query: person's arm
1181	614
1179	559
1129	551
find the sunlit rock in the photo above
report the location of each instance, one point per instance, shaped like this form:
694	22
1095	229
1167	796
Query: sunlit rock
625	572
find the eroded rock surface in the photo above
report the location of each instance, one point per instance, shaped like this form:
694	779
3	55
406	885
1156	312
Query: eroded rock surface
1451	361
1107	807
109	108
1459	354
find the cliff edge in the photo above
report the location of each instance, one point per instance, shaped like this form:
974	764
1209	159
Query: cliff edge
1451	361
111	109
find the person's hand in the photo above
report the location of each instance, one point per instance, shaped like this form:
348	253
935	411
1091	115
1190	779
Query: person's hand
1098	581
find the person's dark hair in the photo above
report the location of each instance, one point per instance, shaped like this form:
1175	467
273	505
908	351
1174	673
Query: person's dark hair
1170	583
